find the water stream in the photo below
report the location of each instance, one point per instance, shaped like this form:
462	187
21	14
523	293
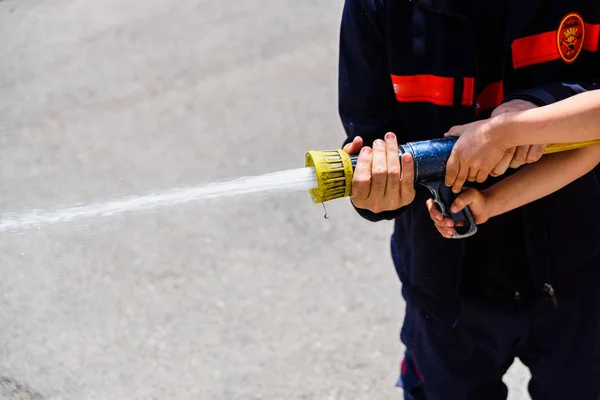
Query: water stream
300	179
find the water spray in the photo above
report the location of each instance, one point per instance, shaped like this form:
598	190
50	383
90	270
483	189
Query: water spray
299	179
335	169
327	175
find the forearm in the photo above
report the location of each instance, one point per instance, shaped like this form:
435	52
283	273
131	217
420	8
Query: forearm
575	119
542	178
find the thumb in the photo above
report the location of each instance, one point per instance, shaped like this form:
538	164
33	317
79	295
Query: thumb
455	131
355	146
465	199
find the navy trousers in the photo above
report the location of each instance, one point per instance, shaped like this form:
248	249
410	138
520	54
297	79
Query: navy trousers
560	344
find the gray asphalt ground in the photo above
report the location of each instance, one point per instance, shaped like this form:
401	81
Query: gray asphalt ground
249	298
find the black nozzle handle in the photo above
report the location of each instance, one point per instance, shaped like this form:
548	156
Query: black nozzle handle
443	196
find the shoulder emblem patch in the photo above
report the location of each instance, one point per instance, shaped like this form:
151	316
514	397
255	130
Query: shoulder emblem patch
570	37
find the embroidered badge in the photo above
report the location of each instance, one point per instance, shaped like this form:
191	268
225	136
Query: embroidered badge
571	33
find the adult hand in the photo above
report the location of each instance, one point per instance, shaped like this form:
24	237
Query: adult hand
476	154
481	151
380	183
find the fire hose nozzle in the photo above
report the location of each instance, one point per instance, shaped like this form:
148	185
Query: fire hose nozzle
335	168
334	171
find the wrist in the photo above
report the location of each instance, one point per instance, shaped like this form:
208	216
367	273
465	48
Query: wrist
504	130
493	203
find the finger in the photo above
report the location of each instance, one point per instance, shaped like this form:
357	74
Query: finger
445	227
509	107
473	172
452	169
463	200
504	163
455	131
513	106
407	179
519	157
500	110
392	187
378	171
448	233
354	146
444	224
435	214
361	181
442	231
520	105
482	175
460	180
535	153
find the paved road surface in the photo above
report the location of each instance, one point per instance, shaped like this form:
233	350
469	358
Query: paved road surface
257	298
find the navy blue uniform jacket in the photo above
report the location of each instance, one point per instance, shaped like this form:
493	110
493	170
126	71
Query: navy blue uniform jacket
417	68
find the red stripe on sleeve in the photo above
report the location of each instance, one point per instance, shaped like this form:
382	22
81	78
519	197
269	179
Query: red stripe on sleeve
592	37
543	47
424	88
535	49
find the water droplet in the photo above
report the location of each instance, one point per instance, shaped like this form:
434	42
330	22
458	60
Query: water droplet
325	208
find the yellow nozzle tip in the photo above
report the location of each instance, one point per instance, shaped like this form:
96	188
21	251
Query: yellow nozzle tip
334	174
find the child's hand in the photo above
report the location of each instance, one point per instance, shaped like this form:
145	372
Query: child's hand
444	225
482	149
479	203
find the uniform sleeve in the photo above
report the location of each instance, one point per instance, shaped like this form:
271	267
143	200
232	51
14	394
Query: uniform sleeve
366	98
367	103
551	93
